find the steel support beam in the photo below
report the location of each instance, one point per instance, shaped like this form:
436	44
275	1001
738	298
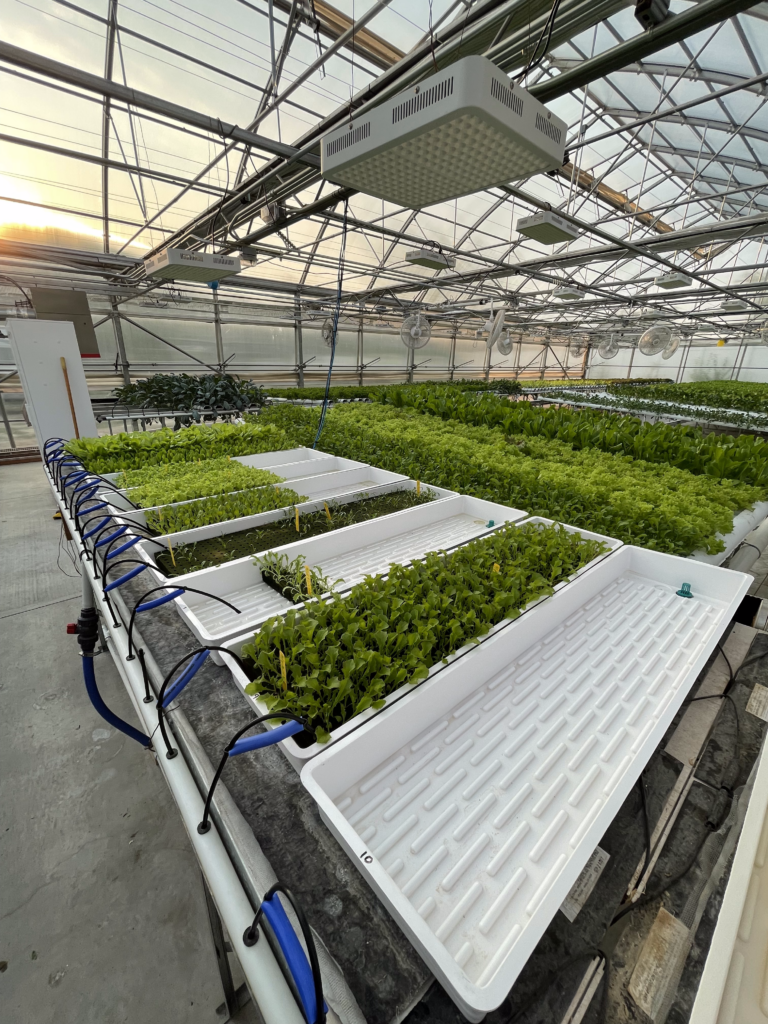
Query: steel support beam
697	18
92	83
109	58
115	165
120	341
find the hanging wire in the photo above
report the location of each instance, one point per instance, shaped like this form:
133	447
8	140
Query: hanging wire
336	314
534	61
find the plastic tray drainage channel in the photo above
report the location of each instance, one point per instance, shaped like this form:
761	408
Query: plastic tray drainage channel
475	819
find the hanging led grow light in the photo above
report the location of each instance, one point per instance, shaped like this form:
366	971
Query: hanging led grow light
677	279
569	291
430	255
186	265
463	129
547	227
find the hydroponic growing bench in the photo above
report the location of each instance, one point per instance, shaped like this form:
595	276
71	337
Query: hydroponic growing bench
532	740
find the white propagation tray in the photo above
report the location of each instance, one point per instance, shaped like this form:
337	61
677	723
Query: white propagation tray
299	755
149	548
473	803
321	487
743	524
289	473
734	986
346	557
265	460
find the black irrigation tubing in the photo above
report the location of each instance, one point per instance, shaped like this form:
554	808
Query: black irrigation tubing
161	710
251	934
204	825
173	587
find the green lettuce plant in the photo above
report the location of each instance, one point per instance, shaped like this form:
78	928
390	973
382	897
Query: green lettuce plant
138	450
219	508
289	576
163	485
652	505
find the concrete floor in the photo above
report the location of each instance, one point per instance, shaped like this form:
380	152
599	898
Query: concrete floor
102	914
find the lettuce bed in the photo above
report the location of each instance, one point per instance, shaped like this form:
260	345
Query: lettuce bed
655	506
742	458
139	450
162	485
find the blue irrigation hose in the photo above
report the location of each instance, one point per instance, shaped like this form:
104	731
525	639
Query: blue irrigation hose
103	710
123	547
124	579
266	739
173	691
105	540
158	601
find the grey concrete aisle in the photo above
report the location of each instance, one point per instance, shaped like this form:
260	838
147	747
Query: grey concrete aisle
102	912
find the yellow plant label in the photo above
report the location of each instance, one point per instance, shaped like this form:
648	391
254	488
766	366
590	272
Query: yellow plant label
496	567
418	486
327	511
283	670
170	552
297	521
308	576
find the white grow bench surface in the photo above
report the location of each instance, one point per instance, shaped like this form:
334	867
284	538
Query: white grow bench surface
473	803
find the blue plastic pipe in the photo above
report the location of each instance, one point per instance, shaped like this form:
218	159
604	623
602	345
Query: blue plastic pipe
96	528
123	547
105	540
124	579
266	739
173	691
294	954
158	601
103	710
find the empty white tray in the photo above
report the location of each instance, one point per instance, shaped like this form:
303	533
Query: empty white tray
473	803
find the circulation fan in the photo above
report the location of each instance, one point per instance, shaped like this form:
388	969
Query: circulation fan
495	327
505	343
577	347
655	340
608	349
671	348
327	332
415	331
764	333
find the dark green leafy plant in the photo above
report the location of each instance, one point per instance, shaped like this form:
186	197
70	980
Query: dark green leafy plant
344	392
117	452
742	458
655	506
345	655
163	485
216	550
181	391
219	508
718	394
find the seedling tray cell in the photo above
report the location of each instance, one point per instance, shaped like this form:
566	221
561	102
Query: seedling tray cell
472	804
